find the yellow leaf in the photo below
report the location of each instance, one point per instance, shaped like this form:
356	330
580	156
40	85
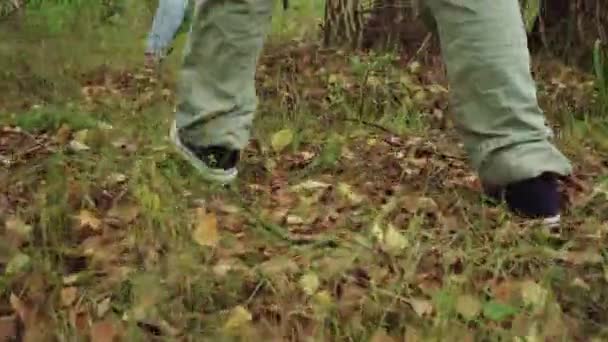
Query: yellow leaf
322	303
394	241
20	262
281	139
239	316
533	294
77	146
81	136
468	306
422	307
88	219
205	230
68	295
347	191
309	283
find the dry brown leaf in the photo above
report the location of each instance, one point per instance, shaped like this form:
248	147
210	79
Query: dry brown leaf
8	327
381	336
80	320
87	219
205	231
105	331
17	231
581	258
68	295
36	326
412	334
278	266
506	291
63	134
124	213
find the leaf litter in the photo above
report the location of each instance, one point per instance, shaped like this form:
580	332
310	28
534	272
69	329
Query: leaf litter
235	276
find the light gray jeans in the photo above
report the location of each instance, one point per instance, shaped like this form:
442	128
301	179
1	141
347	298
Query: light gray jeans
167	20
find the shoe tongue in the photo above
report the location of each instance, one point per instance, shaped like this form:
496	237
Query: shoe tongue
219	157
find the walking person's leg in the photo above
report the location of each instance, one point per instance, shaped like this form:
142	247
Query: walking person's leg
496	110
217	97
167	20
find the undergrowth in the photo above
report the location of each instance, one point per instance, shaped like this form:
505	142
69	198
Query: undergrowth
355	217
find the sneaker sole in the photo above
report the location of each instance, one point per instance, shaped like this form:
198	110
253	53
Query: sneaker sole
552	222
207	173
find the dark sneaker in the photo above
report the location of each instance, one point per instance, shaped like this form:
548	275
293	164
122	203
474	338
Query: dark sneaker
536	198
214	163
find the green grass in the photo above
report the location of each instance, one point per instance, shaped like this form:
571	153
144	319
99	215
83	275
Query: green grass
368	226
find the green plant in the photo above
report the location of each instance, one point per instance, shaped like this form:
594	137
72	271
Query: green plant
600	66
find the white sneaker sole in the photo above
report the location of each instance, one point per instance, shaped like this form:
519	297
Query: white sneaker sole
212	175
552	222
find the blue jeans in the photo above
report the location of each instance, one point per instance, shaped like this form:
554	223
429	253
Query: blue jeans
167	20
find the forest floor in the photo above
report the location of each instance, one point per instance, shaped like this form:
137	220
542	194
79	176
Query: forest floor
355	217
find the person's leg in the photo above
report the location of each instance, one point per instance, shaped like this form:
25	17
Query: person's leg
494	97
217	97
167	20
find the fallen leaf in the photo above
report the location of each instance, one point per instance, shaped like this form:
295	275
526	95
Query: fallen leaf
63	134
579	282
205	229
506	291
71	279
104	306
581	258
124	213
412	334
116	178
468	306
239	316
104	331
278	265
87	219
294	220
322	303
310	185
77	146
281	139
309	283
394	241
18	263
381	336
347	192
17	231
22	310
68	295
533	294
422	307
8	328
81	136
496	311
80	320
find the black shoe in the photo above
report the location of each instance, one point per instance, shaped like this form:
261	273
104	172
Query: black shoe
536	198
214	163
